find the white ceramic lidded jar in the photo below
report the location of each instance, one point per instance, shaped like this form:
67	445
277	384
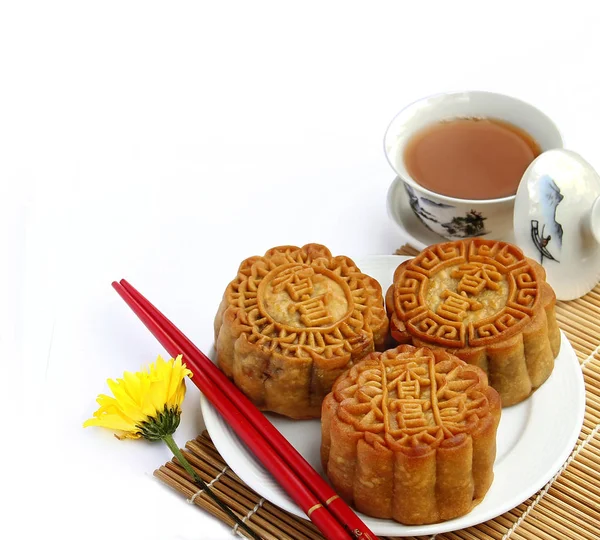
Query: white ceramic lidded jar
451	217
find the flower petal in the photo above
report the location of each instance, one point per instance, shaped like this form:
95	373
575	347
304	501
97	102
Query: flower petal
129	393
127	435
111	421
176	391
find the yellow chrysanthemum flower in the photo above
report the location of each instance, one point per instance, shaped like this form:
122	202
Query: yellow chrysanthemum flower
148	404
145	404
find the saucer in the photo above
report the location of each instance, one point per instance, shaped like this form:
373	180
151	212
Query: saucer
414	231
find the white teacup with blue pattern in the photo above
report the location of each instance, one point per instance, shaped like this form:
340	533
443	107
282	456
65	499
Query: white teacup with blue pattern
449	216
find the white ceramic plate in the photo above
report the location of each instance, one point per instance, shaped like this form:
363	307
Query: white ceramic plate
412	228
535	438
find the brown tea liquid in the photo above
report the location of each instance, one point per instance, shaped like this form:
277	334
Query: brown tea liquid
470	158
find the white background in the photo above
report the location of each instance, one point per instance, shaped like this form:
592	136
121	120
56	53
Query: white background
165	142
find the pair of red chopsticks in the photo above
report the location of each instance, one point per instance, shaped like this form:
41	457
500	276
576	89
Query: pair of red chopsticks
317	499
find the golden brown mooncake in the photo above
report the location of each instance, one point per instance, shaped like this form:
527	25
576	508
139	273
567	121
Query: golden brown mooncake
292	321
410	434
485	302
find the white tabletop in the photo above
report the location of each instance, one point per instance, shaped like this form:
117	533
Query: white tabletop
165	143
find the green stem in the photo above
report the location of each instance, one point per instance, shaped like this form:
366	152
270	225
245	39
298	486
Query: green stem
185	464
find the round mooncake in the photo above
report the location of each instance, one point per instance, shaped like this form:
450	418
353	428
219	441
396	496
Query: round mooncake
410	434
292	321
484	302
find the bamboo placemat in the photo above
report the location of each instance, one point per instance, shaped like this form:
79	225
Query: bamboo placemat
568	507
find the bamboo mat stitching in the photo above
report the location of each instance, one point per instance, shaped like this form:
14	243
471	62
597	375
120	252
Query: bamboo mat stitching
192	499
248	516
596	352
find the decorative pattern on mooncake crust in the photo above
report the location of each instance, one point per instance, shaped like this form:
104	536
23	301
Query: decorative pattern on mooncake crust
410	434
486	303
292	321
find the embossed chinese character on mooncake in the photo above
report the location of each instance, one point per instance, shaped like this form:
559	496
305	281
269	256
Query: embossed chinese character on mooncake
486	303
292	321
410	434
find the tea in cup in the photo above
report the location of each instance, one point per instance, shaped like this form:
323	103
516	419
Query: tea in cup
461	157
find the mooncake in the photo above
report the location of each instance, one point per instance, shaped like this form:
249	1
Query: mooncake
486	303
410	434
292	321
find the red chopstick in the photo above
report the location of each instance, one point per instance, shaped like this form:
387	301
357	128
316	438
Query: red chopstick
291	470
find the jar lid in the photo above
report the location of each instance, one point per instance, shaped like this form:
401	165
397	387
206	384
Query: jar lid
557	220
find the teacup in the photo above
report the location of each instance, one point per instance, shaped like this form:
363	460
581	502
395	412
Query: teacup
452	217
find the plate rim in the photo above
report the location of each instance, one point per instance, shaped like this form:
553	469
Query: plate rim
213	419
